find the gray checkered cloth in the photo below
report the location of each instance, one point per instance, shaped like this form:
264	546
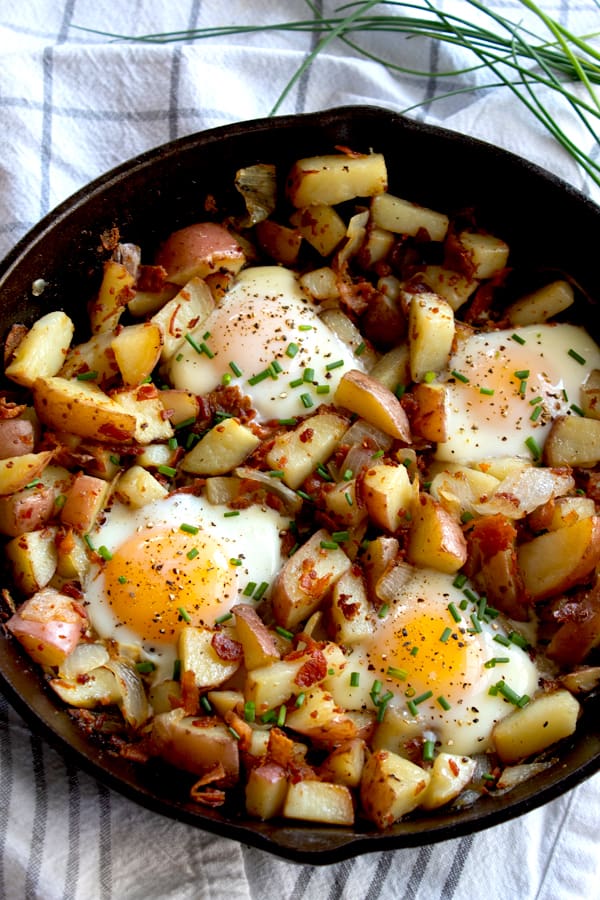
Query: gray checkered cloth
73	105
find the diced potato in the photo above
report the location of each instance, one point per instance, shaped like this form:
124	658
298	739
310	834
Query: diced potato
452	286
181	406
436	539
116	290
182	314
397	732
346	330
321	284
379	556
80	407
33	559
487	254
459	489
137	349
19	471
266	789
391	787
163	696
321	226
546	720
403	217
557	560
344	765
389	495
321	719
221	449
260	647
274	683
319	801
280	242
48	625
560	512
393	368
196	745
95	356
376	247
333	179
343	503
430	334
367	397
450	774
590	395
429	418
73	561
100	688
225	702
137	487
26	510
155	455
306	578
573	441
299	451
146	303
42	351
199	250
85	499
579	634
542	304
350	610
199	656
144	404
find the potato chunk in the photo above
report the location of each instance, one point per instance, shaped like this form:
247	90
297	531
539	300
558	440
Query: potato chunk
546	720
319	801
79	407
333	179
18	471
573	441
403	217
196	745
557	560
542	304
430	334
224	447
42	351
368	398
299	451
450	774
436	539
48	625
199	250
137	351
391	787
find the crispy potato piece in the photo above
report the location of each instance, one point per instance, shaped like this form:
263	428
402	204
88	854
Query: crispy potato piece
95	356
100	688
319	801
452	286
181	406
543	722
274	683
430	334
367	397
137	487
137	349
33	559
321	226
393	368
542	304
436	539
155	455
403	217
260	646
389	495
590	395
280	242
116	290
428	419
198	655
82	408
180	315
266	789
342	501
18	471
196	745
306	578
49	625
321	719
391	787
146	303
299	451
579	631
573	441
221	449
73	561
344	765
144	404
557	560
199	250
333	179
557	513
350	611
450	774
42	351
487	254
85	499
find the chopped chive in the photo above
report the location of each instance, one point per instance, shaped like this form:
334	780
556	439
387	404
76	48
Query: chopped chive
322	471
235	369
412	708
360	349
489	392
226	617
471	595
323	389
409	692
284	633
191	440
454	612
189	529
235	561
33	483
249	589
281	716
517	337
518	640
523	700
297	382
348	475
354	679
523	387
269	716
169	471
487	776
300	699
306	401
535	400
375	690
348	497
522	374
122	579
495	661
414	651
537	411
304	495
577	409
196	346
460	581
226	378
185	423
88	539
172	443
340	536
507	692
176	669
308	375
501	639
331	671
395	672
577	357
276	366
565	395
249	711
260	376
378	454
463	604
443	703
114	459
233	732
482	607
476	623
459	376
334	365
288	421
428	751
231	514
382	705
272	370
466	516
445	635
534	448
329	545
105	553
184	614
428	377
144	668
206	350
87	376
305	327
179	357
292	349
422	697
383	611
193	553
400	390
276	473
205	703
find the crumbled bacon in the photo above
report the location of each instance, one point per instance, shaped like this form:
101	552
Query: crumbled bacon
312	671
226	648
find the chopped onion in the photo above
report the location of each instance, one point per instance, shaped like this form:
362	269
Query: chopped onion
83	659
521	492
134	704
258	186
274	485
514	775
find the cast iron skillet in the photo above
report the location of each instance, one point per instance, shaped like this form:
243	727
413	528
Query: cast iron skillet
546	222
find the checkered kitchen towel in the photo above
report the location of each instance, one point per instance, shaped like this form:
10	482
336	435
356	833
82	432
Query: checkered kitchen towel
72	105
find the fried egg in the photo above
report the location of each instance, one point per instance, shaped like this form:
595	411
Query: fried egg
504	387
266	338
441	658
175	561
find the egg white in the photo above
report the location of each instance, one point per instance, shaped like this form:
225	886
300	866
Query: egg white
265	318
233	552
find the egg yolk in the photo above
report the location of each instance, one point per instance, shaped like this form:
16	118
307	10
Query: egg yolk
431	654
160	579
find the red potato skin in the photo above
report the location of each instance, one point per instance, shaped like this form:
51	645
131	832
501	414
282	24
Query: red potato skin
16	437
49	626
201	249
26	510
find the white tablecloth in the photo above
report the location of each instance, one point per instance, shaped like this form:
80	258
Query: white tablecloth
72	105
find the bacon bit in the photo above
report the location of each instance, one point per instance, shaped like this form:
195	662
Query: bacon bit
307	435
205	793
353	154
226	648
348	609
240	727
313	670
454	767
135	753
172	327
190	693
113	432
280	748
310	582
110	238
490	535
146	392
151	279
9	409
